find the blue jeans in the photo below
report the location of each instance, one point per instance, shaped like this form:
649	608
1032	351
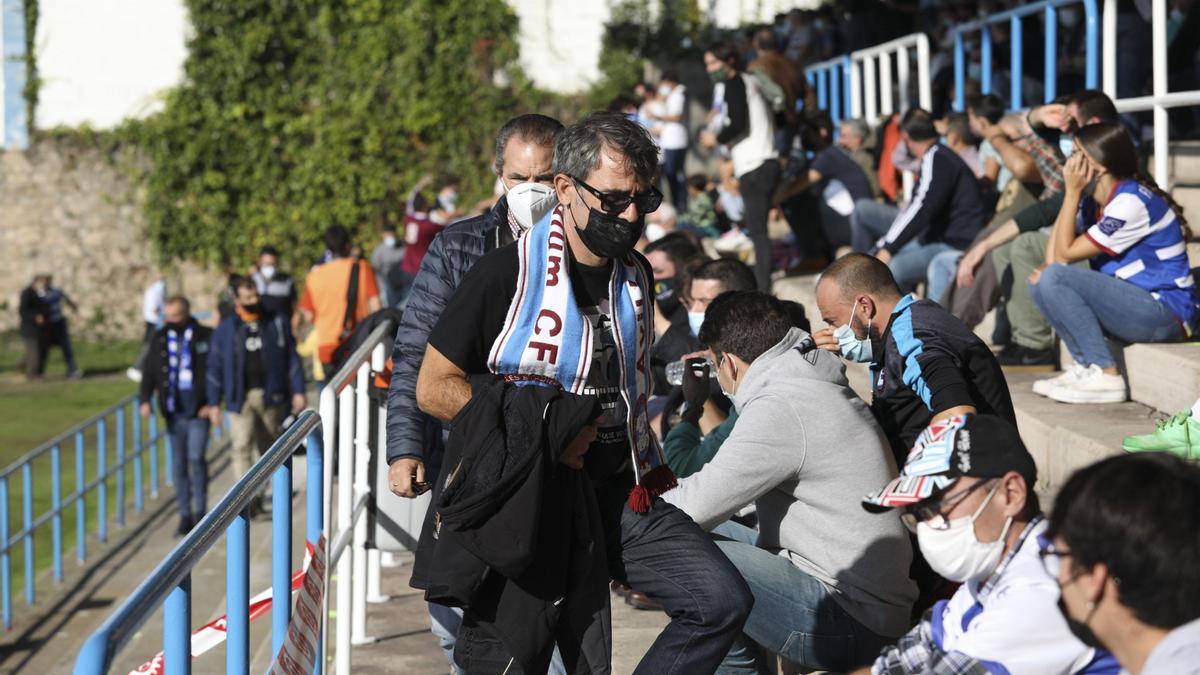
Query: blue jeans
1083	305
794	616
910	263
870	221
189	440
672	170
664	554
941	274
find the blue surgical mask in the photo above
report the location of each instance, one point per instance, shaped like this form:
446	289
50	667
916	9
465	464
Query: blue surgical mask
1066	143
695	320
851	346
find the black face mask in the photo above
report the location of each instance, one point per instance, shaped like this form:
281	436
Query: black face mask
256	308
177	327
665	296
1079	628
609	236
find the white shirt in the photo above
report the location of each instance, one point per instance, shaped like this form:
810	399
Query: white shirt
152	302
757	146
1177	654
674	135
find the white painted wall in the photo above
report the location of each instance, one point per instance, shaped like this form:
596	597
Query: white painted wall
735	13
560	41
102	61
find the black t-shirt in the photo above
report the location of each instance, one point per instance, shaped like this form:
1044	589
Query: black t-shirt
475	315
834	163
256	370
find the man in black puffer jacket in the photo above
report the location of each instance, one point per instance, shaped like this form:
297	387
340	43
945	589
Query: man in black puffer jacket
524	149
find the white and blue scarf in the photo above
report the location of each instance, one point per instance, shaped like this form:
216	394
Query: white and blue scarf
546	338
179	365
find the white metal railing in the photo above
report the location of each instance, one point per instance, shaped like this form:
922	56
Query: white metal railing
1159	100
872	94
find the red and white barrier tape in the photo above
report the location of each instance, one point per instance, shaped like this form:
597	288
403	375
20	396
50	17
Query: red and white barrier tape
299	650
214	632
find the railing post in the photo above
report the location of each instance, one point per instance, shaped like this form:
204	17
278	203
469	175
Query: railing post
120	514
903	79
345	508
374	562
27	522
177	629
823	89
56	507
237	595
886	94
1158	35
849	82
138	446
281	554
102	486
1109	44
1016	79
837	108
1050	75
855	94
924	86
5	558
1091	24
80	503
153	443
870	90
960	72
985	58
328	412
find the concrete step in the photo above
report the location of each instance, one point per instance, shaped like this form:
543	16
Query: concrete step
1165	377
1183	161
1188	198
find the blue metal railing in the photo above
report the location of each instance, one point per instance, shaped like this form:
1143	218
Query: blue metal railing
1048	8
97	429
169	585
832	81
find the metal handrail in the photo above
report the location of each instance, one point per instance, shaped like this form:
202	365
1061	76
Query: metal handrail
98	651
853	93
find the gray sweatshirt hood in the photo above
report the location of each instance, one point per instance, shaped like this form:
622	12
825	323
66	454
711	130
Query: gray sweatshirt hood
777	364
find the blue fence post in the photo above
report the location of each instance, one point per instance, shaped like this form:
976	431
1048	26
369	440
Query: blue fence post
835	92
314	471
56	505
1015	77
281	554
177	629
5	560
237	594
823	89
80	506
960	73
27	522
847	90
985	59
138	500
120	514
153	443
102	487
1051	75
1092	22
169	456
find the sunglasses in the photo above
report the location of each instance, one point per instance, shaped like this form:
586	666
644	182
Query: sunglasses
615	203
934	514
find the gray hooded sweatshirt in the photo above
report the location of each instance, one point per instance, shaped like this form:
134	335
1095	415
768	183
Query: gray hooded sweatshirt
805	450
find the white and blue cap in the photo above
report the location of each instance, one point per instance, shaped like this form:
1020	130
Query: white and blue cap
983	446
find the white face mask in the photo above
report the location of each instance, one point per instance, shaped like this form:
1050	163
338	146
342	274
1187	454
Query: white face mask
530	202
267	271
389	241
956	553
654	232
664	90
695	320
1066	143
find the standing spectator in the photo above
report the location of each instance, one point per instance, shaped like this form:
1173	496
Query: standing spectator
446	210
152	314
420	228
784	73
1139	288
33	328
750	136
387	260
56	324
673	136
338	295
254	367
1124	552
177	371
277	289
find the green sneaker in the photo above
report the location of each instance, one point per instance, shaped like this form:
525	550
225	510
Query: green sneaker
1179	435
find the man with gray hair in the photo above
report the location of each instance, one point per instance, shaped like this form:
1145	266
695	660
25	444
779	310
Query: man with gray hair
569	305
853	135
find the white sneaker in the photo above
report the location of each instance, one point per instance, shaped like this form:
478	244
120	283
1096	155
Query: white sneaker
1072	373
1092	386
134	374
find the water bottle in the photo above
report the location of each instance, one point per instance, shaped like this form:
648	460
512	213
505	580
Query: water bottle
674	371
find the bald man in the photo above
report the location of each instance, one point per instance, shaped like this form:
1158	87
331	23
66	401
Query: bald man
926	365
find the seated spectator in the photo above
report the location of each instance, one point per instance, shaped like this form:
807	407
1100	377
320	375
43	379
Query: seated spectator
959	138
926	365
803	444
662	222
701	216
670	258
818	198
1124	552
1139	288
853	136
993	172
945	212
967	492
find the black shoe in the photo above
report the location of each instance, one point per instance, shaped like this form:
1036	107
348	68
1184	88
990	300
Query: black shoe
1016	355
185	526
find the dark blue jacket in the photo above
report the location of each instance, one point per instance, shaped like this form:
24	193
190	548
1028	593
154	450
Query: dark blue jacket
410	432
226	372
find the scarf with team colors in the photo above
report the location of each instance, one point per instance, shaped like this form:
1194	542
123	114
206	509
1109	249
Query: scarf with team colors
547	339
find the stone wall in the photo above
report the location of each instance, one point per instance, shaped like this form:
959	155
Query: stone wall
70	212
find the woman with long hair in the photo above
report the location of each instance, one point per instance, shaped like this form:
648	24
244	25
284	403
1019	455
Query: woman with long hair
1139	287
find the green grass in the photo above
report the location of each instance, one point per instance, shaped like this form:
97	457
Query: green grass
32	413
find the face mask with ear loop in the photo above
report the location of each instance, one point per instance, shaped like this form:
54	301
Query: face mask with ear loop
530	202
852	347
956	552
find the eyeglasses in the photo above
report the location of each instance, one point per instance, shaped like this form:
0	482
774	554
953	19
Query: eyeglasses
615	203
1051	557
934	514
